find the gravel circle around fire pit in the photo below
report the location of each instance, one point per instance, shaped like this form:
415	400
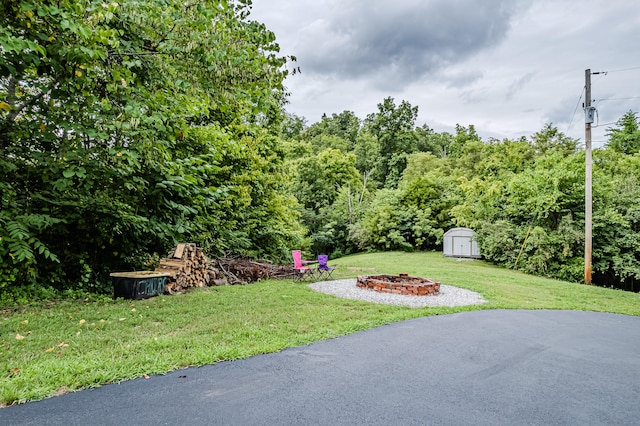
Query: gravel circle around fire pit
449	295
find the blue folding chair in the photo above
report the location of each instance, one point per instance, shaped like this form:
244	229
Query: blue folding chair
324	271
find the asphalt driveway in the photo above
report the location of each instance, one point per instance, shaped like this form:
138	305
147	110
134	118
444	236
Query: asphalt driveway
476	368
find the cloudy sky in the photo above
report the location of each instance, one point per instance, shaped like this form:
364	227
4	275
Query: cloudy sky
505	66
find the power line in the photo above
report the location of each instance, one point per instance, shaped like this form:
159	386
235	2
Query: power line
601	74
617	99
623	69
605	73
575	110
605	124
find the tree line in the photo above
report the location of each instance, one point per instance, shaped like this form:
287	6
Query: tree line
383	183
128	127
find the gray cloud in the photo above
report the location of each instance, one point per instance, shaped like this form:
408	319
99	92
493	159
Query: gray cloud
518	84
567	114
462	61
454	80
399	42
475	96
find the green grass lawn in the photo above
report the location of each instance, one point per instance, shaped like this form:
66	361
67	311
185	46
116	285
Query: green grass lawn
57	347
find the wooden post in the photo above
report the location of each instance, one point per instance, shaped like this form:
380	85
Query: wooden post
588	247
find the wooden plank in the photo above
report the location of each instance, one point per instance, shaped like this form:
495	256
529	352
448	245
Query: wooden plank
179	250
139	274
170	263
168	272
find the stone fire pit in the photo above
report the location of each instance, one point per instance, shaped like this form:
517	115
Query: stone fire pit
399	284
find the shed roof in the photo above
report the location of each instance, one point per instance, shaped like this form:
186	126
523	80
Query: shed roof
459	231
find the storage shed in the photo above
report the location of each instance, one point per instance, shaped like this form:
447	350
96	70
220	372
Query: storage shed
461	242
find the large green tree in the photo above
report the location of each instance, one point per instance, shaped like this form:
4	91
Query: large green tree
624	137
319	177
125	127
344	125
550	139
393	126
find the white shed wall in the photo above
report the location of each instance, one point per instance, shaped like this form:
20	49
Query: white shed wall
461	242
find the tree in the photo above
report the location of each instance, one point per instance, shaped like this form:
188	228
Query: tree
293	126
529	219
550	139
367	152
345	125
469	156
463	136
323	141
506	157
616	231
420	164
319	177
625	136
393	126
434	192
436	143
391	224
124	126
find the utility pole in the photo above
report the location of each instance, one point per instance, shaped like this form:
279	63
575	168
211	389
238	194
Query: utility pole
588	247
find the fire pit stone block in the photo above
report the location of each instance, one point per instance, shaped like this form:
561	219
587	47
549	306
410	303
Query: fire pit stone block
399	284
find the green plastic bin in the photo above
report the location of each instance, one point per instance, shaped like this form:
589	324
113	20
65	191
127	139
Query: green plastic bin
139	284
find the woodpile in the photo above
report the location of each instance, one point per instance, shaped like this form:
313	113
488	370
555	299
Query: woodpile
189	267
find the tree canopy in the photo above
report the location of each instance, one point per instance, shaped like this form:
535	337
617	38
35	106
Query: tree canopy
125	127
624	137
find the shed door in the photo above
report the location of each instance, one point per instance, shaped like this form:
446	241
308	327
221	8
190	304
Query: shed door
462	246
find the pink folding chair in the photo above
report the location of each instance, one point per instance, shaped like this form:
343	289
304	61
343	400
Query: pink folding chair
301	272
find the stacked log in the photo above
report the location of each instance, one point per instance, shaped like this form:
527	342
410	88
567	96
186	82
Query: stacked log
188	267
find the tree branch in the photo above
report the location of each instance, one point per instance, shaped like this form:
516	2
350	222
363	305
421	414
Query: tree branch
16	110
